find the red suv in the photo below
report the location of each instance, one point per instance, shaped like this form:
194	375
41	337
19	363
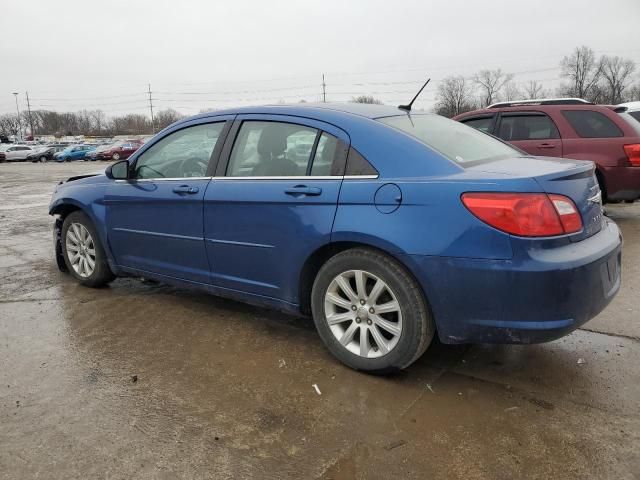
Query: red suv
119	150
571	128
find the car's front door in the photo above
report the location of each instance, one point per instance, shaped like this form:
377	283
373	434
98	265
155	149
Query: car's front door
272	202
154	219
533	132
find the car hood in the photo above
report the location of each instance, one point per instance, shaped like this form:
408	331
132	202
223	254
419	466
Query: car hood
86	179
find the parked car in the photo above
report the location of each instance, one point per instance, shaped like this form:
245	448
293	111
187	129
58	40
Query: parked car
73	152
395	227
570	128
119	150
632	108
92	155
42	153
10	152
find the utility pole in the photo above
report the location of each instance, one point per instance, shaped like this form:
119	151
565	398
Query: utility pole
15	94
153	123
324	90
33	132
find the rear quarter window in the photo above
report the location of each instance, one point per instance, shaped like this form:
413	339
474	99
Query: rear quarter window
592	124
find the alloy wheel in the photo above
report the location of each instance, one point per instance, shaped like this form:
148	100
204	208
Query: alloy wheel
81	250
363	313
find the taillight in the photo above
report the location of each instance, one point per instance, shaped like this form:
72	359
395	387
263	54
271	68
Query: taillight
525	214
633	154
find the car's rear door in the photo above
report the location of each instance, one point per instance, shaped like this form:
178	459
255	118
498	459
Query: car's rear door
534	132
154	219
272	202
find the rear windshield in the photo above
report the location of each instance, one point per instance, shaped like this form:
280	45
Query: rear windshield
456	141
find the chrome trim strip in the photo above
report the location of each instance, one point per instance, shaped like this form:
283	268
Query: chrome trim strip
144	180
241	244
158	234
284	177
301	178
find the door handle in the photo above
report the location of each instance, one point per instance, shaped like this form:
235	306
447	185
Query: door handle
186	189
546	145
302	190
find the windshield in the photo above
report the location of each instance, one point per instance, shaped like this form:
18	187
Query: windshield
456	141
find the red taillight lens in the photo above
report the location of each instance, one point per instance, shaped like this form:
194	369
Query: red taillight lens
633	154
525	214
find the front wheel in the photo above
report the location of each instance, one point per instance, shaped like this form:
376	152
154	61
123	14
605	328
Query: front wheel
370	312
83	254
43	159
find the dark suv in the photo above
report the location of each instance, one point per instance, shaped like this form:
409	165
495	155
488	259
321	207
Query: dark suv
571	128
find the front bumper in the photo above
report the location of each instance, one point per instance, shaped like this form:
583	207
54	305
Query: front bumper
538	296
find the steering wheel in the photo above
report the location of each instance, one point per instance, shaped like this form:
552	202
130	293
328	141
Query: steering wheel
192	167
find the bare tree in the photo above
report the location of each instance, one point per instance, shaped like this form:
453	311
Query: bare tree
633	93
511	92
533	90
454	96
164	118
616	76
9	124
490	83
583	71
366	99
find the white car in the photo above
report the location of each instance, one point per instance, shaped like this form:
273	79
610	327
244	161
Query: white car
633	109
14	153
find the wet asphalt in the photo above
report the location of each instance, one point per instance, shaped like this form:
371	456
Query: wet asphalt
141	380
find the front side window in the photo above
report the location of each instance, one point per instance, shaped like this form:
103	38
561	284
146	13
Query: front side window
185	153
271	149
483	124
592	124
527	127
454	140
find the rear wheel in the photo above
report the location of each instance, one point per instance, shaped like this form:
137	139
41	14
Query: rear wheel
370	312
43	159
83	253
116	156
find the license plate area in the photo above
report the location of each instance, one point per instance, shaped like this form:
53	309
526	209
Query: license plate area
610	273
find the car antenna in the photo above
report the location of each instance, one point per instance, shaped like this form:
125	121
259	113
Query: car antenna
408	107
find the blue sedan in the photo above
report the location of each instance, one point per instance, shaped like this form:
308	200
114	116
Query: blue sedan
387	227
73	152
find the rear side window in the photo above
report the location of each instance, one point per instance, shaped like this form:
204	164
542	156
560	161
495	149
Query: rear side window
271	149
635	115
483	124
591	124
452	139
325	153
527	127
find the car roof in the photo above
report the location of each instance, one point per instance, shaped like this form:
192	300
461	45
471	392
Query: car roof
631	106
540	108
319	111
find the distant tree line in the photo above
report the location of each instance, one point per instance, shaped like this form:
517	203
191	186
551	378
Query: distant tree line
605	80
84	122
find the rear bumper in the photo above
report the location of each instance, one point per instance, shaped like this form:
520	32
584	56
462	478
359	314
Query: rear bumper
538	296
622	183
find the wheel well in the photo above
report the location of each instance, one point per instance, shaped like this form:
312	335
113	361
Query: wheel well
64	210
318	258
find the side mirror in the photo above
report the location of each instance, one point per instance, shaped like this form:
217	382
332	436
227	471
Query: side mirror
118	170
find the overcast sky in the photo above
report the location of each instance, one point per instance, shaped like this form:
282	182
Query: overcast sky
74	54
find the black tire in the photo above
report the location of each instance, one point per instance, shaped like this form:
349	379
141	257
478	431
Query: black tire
43	159
418	327
101	274
115	156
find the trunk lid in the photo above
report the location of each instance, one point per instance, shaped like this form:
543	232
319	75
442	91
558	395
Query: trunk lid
572	178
